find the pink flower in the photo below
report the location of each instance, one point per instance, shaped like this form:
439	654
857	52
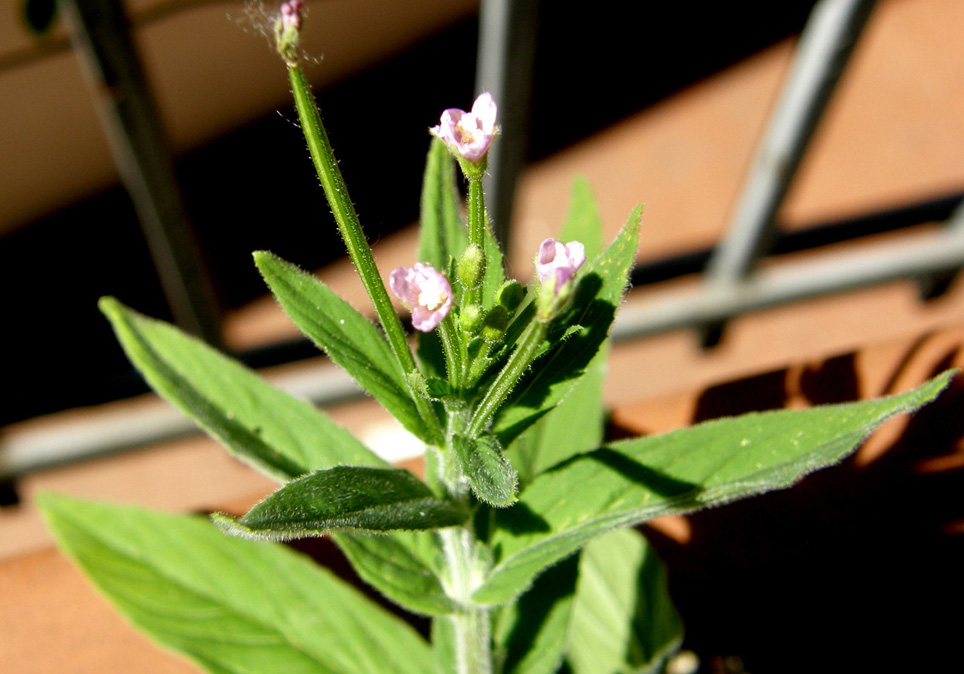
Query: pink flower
291	14
425	291
559	260
469	133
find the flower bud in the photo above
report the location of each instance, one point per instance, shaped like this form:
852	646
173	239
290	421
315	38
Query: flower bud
471	319
509	296
556	264
471	266
287	30
493	329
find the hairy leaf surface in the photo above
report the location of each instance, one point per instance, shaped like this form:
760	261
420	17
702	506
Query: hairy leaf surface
280	435
348	338
230	605
629	482
346	497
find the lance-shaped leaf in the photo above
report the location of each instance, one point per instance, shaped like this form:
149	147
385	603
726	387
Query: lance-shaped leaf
583	222
623	619
492	478
494	265
231	606
346	497
443	646
402	566
280	435
348	338
584	329
442	234
532	635
574	426
633	481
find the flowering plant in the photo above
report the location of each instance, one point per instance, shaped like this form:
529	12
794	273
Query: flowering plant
524	511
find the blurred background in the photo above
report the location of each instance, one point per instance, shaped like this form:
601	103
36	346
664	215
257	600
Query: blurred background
667	104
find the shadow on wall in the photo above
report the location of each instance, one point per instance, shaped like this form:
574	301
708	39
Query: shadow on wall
855	568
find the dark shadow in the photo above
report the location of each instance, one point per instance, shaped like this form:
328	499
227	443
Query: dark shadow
760	392
831	381
569	355
660	483
855	568
519	519
557	583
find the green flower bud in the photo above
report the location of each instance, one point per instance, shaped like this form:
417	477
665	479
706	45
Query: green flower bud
471	319
554	298
493	329
509	296
471	266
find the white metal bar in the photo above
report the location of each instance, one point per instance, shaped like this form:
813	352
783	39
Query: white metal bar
824	49
791	282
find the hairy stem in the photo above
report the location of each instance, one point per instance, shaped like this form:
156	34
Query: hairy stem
472	623
351	231
516	366
476	223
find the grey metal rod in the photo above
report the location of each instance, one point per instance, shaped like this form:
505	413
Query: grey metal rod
506	53
792	282
823	51
24	452
109	431
101	35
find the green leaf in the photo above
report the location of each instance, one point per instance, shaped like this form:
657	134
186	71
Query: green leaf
623	619
577	340
583	222
532	634
494	266
442	233
632	481
574	426
346	497
403	566
492	478
348	338
232	606
280	435
443	646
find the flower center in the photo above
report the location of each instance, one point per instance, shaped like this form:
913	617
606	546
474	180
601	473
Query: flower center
432	297
466	133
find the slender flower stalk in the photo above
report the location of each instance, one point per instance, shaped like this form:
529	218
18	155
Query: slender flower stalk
520	360
469	136
350	228
476	217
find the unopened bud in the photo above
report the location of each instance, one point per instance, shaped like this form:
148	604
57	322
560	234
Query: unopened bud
287	30
554	296
509	296
471	318
471	266
494	327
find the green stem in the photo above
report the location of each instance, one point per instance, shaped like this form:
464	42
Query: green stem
472	623
453	351
475	205
351	231
525	352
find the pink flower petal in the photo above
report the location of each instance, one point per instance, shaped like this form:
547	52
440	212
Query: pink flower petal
425	291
